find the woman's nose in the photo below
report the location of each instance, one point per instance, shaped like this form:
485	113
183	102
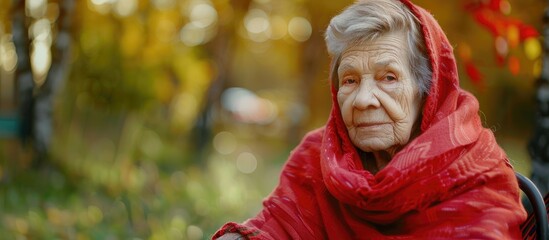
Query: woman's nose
365	97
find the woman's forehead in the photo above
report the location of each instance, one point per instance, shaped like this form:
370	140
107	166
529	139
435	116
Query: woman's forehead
388	47
380	59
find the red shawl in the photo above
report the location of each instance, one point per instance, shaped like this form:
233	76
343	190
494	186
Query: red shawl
452	181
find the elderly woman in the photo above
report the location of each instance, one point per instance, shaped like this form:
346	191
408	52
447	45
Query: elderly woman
403	154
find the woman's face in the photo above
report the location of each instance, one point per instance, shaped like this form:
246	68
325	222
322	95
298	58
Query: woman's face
378	98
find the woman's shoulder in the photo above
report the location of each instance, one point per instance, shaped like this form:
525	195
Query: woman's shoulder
305	158
310	143
314	136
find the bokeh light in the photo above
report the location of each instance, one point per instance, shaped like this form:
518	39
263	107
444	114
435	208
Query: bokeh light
192	35
203	15
532	48
101	6
101	2
202	24
41	31
300	29
502	47
513	36
514	65
36	8
125	8
246	163
194	232
40	60
464	51
225	142
245	106
164	4
256	21
8	55
257	25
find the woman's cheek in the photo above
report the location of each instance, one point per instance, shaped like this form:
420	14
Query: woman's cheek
345	107
342	96
339	97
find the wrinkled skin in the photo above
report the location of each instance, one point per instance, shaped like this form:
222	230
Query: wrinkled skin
378	97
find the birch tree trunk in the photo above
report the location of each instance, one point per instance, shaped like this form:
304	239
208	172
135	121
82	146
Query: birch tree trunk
36	102
44	96
23	72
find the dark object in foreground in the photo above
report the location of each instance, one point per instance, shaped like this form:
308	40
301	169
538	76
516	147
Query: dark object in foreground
536	226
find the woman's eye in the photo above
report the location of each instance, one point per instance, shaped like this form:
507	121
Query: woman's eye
390	77
348	81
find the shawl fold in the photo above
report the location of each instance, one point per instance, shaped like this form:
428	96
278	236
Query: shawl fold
452	181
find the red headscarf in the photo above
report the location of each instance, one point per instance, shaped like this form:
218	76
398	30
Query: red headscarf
452	181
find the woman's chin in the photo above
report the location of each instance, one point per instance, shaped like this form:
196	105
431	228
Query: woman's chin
372	147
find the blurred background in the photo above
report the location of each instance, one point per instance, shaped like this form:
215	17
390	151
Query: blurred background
164	119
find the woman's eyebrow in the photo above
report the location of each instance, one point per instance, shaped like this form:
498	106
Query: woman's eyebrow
385	63
388	63
345	67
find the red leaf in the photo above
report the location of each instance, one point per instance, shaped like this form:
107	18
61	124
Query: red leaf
514	65
500	60
527	32
494	5
473	73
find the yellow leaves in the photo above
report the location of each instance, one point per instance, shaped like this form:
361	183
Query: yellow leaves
532	48
184	110
195	76
513	36
164	88
133	38
514	65
162	25
152	38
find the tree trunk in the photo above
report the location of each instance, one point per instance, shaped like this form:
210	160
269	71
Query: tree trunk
44	97
221	49
23	73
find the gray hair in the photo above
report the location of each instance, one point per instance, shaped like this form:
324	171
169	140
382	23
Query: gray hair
367	20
